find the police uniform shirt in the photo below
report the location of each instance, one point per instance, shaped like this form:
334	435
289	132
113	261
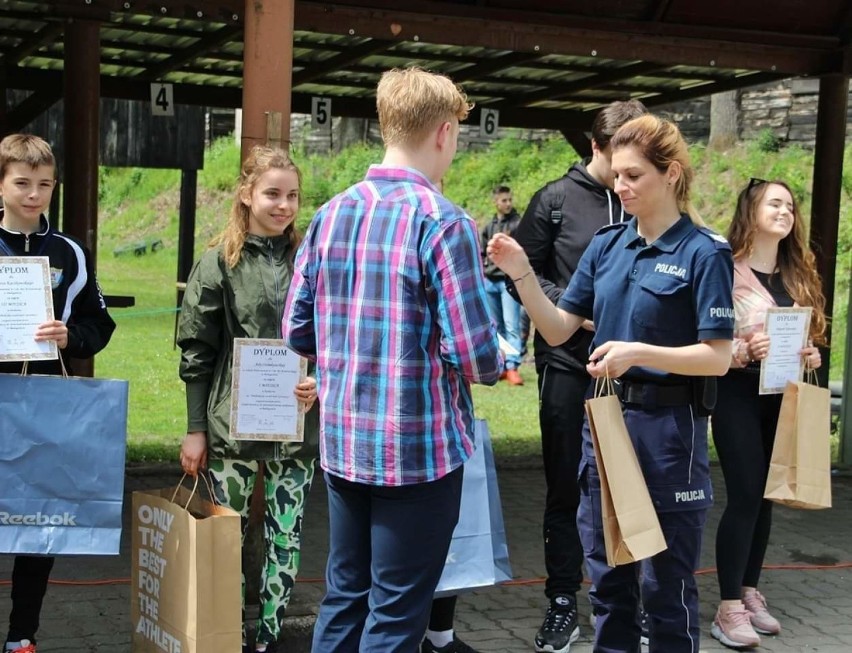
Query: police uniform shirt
673	292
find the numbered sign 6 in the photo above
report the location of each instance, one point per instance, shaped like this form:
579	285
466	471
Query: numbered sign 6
321	113
162	100
489	120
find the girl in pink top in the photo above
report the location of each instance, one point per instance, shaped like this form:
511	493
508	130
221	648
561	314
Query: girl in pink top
772	267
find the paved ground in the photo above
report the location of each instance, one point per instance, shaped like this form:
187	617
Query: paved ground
815	604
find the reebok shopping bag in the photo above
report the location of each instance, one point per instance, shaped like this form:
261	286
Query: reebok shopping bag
631	528
185	574
478	555
62	464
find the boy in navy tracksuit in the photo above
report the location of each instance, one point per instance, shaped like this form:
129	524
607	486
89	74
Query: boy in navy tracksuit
81	328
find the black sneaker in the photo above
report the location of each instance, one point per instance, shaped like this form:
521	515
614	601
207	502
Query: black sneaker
560	628
456	646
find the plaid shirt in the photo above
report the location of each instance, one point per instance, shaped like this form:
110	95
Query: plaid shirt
388	297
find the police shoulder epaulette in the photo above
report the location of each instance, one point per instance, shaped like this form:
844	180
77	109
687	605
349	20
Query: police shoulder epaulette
612	227
718	240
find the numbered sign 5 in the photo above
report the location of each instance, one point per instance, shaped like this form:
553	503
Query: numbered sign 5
321	113
489	120
162	100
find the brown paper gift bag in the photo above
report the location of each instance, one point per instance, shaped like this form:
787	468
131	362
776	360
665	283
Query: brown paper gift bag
800	467
631	528
185	574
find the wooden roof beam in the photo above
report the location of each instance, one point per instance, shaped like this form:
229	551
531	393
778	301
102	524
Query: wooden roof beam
556	91
455	14
352	54
222	11
529	32
703	90
657	13
32	107
203	45
493	64
47	34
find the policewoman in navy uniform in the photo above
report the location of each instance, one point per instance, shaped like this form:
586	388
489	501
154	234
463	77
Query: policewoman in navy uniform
658	289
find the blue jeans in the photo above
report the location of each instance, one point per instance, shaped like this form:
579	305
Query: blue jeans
387	548
506	313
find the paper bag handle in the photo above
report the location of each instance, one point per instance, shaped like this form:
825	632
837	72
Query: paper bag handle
191	494
810	375
603	384
26	365
194	488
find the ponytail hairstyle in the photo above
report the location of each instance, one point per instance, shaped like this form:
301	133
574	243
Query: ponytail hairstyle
660	141
796	262
260	160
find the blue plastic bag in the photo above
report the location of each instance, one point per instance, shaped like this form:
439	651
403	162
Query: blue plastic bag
479	555
62	447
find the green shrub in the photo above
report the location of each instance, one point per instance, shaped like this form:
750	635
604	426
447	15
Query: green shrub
767	141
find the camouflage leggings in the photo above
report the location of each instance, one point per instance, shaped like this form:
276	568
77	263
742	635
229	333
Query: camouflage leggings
286	486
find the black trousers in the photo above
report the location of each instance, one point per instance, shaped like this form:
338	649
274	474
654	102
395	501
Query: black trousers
743	431
561	411
29	584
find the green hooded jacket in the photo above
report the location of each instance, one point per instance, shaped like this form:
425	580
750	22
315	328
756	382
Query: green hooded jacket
220	304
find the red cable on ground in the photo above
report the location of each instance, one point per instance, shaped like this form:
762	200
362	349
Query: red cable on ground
517	581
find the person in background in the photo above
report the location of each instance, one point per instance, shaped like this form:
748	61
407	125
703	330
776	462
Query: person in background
389	298
82	328
658	289
237	290
772	267
505	311
556	229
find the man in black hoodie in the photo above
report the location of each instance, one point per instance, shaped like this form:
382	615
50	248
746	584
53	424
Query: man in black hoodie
558	224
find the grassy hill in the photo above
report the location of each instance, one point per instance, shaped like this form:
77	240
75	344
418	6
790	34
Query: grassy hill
142	205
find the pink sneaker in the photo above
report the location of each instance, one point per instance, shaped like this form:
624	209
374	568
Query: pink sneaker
734	629
761	620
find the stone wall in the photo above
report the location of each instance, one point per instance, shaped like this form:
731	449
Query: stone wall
788	108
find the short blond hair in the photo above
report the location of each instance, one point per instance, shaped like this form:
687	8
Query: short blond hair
25	148
411	102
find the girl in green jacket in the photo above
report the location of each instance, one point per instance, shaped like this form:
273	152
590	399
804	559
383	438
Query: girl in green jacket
237	290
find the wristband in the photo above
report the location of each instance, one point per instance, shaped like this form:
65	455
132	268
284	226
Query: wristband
523	276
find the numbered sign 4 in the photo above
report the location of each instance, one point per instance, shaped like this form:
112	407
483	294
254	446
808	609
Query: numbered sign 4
162	100
489	120
321	113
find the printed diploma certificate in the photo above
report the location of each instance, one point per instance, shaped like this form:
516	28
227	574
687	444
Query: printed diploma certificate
26	301
263	406
787	329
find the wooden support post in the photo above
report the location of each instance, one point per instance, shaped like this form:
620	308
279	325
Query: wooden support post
267	72
186	237
825	206
267	80
82	114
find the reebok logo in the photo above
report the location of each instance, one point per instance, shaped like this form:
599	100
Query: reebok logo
38	519
562	600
